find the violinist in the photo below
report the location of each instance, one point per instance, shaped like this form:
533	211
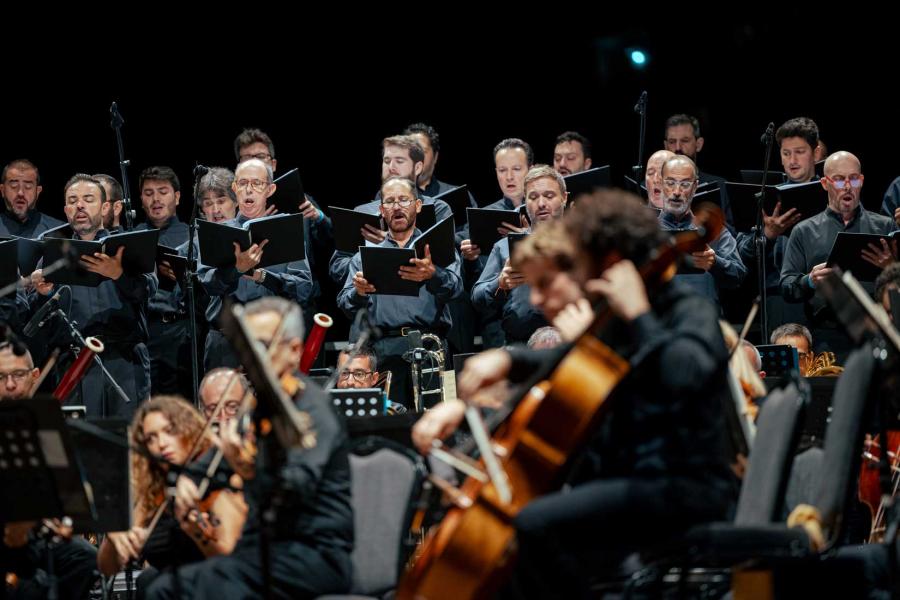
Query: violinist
306	491
656	464
167	427
21	552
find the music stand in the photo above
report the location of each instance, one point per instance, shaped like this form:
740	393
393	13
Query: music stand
39	471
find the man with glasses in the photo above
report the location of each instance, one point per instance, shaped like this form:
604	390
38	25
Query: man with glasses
401	156
244	282
213	390
683	138
810	244
362	372
20	186
318	233
719	265
796	336
20	552
397	315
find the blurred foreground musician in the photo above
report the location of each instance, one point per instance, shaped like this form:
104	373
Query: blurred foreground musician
22	552
656	466
313	523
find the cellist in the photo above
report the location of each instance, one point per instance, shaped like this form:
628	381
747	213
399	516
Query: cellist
656	465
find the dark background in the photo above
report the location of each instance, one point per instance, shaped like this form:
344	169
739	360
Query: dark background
327	102
328	95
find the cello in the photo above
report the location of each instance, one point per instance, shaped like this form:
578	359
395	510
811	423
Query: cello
470	553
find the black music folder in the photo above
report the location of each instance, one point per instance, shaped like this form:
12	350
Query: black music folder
139	256
176	261
513	239
846	252
426	218
585	182
284	232
289	194
808	198
26	255
441	242
9	263
347	224
483	225
140	249
381	268
458	200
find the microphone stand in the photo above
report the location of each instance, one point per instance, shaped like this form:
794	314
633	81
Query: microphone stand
76	335
189	275
638	170
116	123
759	238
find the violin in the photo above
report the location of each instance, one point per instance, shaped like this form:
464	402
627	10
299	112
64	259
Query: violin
870	492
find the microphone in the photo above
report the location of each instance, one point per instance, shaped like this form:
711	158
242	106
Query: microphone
41	315
200	170
766	138
641	103
116	119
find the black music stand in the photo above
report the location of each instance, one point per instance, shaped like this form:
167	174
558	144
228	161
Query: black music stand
39	472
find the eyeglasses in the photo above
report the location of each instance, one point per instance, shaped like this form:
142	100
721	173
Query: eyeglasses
257	185
839	182
263	156
359	375
684	185
230	408
17	376
402	203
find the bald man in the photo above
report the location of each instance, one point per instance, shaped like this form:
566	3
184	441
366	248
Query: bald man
811	240
653	177
716	267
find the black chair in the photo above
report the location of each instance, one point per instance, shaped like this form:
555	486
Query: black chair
385	479
755	539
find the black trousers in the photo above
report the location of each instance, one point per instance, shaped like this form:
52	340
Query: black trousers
567	538
218	352
74	566
170	357
298	571
390	351
130	367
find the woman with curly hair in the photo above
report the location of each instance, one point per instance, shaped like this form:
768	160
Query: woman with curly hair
167	427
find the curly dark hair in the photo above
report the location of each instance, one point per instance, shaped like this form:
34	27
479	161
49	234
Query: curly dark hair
148	478
613	220
801	127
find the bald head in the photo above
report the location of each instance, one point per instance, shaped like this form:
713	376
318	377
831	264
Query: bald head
680	163
256	167
653	176
843	181
841	159
679	175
